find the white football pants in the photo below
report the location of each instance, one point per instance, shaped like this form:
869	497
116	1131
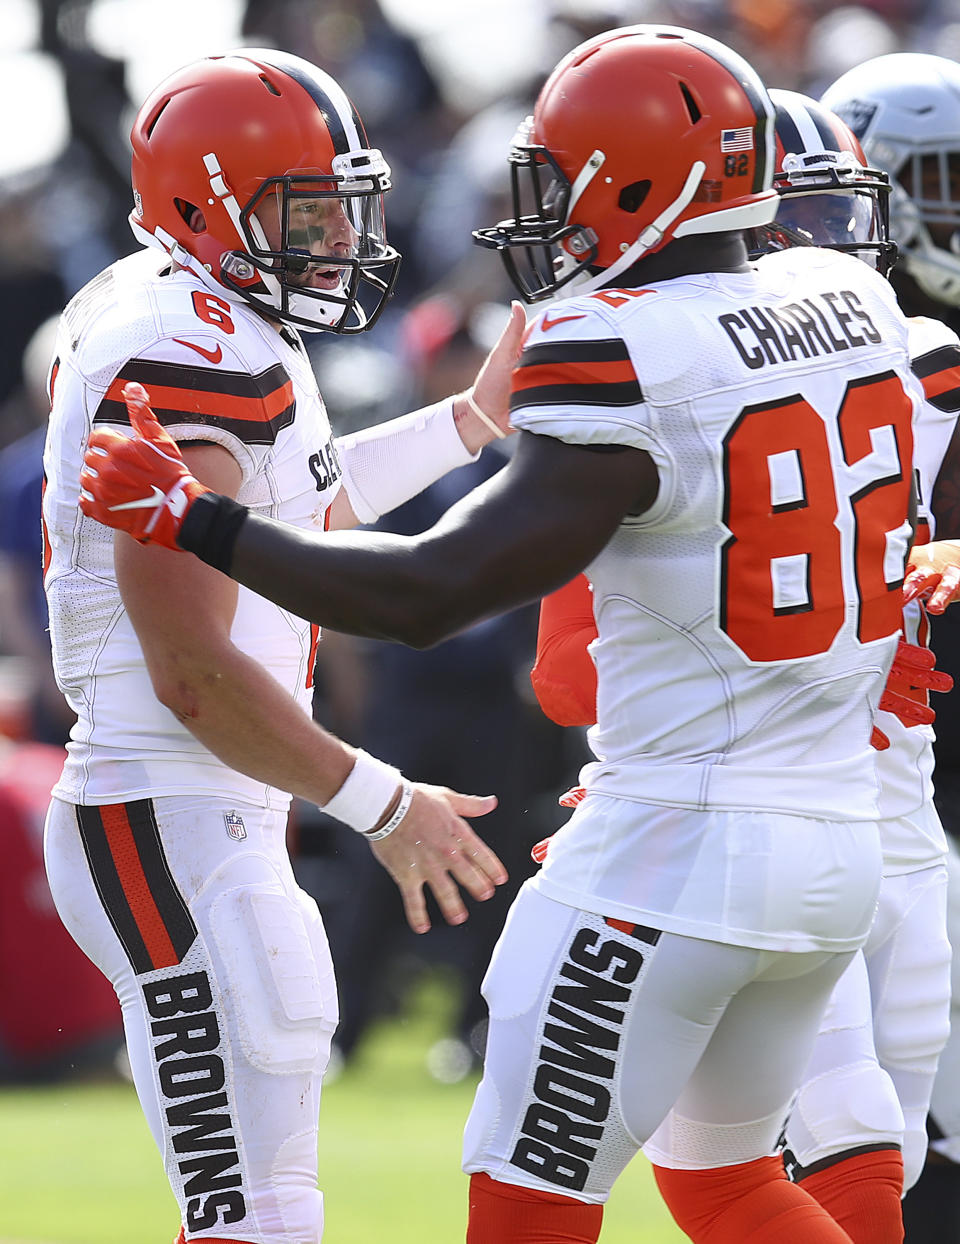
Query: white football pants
190	908
945	1100
869	1080
598	1028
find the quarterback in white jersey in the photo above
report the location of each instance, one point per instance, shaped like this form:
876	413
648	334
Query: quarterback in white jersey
165	841
221	375
727	450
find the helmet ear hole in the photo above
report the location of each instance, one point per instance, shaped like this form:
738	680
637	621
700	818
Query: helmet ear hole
191	215
632	196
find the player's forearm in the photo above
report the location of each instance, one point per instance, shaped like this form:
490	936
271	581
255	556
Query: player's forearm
415	590
523	533
377	585
380	586
239	712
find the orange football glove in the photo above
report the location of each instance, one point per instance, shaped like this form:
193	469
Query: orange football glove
538	853
913	670
138	484
933	572
569	799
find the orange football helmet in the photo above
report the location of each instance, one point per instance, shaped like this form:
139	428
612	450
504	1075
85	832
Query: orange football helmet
639	136
273	154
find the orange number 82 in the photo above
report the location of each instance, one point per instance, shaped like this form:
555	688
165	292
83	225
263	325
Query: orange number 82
799	533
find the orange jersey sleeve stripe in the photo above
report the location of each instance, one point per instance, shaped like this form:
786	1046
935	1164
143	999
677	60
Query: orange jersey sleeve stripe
147	911
183	403
573	374
253	407
587	373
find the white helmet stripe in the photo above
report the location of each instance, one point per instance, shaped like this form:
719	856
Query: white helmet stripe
811	139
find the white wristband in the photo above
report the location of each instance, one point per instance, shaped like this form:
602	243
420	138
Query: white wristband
386	465
370	786
399	812
497	431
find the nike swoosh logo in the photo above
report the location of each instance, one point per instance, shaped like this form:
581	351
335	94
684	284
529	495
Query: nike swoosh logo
546	323
142	503
213	356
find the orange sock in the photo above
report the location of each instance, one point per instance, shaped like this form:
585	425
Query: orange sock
751	1203
182	1239
507	1214
862	1192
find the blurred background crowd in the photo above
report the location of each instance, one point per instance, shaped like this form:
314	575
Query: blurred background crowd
441	86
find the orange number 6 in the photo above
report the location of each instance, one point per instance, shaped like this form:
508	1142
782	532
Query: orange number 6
213	310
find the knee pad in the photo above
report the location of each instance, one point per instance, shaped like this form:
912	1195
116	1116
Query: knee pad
273	953
846	1108
914	1151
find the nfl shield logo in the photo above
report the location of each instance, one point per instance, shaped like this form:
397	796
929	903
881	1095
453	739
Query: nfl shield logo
235	826
858	114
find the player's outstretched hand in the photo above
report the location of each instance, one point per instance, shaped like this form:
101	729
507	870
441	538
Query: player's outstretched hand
933	573
913	670
138	483
434	846
491	389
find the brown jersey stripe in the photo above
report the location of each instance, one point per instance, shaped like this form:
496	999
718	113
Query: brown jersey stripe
596	373
253	408
578	395
603	350
206	379
142	902
245	430
939	371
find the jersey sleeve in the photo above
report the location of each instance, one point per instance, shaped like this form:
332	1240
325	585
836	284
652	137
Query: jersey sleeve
564	676
578	383
935	360
242	410
937	364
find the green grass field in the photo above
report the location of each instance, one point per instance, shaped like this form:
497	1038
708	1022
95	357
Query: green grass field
77	1165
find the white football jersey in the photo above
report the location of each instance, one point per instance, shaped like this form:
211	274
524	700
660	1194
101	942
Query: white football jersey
215	372
906	767
745	623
